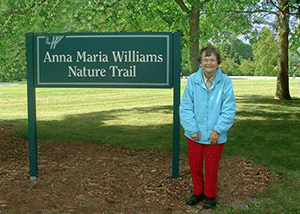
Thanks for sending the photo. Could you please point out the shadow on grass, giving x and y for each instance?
(254, 99)
(93, 127)
(267, 130)
(267, 108)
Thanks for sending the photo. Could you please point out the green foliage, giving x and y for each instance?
(294, 64)
(230, 67)
(219, 24)
(240, 50)
(247, 68)
(237, 50)
(18, 17)
(265, 54)
(294, 57)
(23, 16)
(219, 21)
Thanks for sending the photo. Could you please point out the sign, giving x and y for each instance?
(104, 60)
(136, 60)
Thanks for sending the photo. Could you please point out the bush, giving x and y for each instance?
(247, 68)
(229, 67)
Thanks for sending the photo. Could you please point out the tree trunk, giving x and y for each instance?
(194, 39)
(282, 89)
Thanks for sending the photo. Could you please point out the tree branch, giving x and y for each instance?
(11, 15)
(183, 6)
(250, 11)
(296, 9)
(273, 4)
(264, 23)
(116, 2)
(278, 7)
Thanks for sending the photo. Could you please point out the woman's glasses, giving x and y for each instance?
(209, 60)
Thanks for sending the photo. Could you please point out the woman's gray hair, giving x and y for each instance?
(208, 51)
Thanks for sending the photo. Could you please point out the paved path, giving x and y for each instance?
(12, 83)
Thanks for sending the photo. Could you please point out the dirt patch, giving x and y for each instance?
(99, 178)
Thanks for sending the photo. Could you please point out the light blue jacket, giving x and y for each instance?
(203, 111)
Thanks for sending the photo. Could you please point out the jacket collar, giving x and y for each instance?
(200, 79)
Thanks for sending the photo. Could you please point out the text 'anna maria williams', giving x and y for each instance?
(117, 56)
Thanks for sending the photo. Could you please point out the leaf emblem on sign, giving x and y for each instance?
(54, 42)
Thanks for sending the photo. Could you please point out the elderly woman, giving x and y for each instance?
(207, 112)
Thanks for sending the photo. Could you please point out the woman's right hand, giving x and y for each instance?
(195, 136)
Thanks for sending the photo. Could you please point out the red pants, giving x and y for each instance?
(212, 156)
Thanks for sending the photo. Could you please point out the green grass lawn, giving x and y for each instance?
(265, 130)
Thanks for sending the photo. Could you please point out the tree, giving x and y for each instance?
(237, 49)
(12, 59)
(265, 54)
(194, 20)
(283, 13)
(286, 14)
(199, 21)
(294, 64)
(18, 17)
(212, 20)
(241, 51)
(229, 67)
(247, 68)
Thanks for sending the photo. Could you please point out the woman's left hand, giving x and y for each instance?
(214, 138)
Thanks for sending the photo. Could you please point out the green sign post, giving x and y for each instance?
(128, 60)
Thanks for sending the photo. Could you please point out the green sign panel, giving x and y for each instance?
(104, 60)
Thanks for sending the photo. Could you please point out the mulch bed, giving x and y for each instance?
(101, 178)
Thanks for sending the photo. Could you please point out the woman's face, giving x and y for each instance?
(209, 63)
